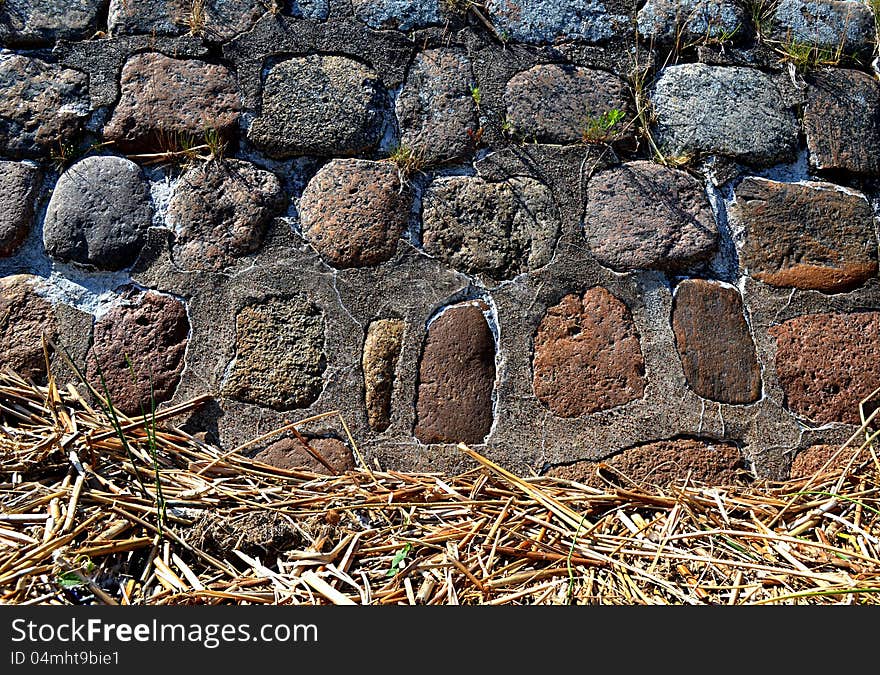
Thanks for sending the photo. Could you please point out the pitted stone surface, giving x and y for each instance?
(587, 355)
(166, 102)
(557, 104)
(436, 110)
(279, 354)
(214, 20)
(845, 25)
(661, 463)
(98, 213)
(220, 211)
(813, 236)
(550, 21)
(381, 354)
(19, 184)
(828, 363)
(691, 21)
(289, 453)
(810, 462)
(354, 210)
(642, 215)
(714, 343)
(319, 105)
(733, 111)
(398, 14)
(39, 22)
(24, 318)
(456, 378)
(314, 10)
(141, 340)
(842, 121)
(494, 229)
(42, 106)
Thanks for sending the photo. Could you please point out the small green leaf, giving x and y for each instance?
(398, 559)
(70, 580)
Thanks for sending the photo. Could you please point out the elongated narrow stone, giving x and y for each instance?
(381, 353)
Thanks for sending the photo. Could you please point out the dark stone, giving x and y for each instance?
(25, 318)
(381, 353)
(19, 184)
(27, 23)
(213, 20)
(398, 14)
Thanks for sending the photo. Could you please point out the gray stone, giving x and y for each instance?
(497, 230)
(435, 110)
(691, 21)
(279, 354)
(732, 111)
(319, 105)
(314, 10)
(845, 26)
(397, 14)
(39, 22)
(381, 353)
(549, 21)
(98, 213)
(42, 106)
(19, 184)
(642, 215)
(220, 211)
(214, 20)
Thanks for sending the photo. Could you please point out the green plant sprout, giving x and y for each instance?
(601, 129)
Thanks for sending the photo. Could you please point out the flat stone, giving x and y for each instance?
(98, 213)
(42, 106)
(289, 453)
(24, 318)
(713, 340)
(436, 112)
(279, 354)
(642, 215)
(833, 25)
(380, 357)
(587, 355)
(354, 210)
(551, 21)
(313, 10)
(691, 21)
(398, 14)
(842, 121)
(220, 211)
(661, 463)
(214, 20)
(319, 105)
(456, 378)
(142, 339)
(820, 459)
(166, 101)
(42, 22)
(732, 111)
(554, 103)
(828, 363)
(812, 236)
(497, 230)
(19, 184)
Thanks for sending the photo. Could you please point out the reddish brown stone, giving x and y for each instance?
(151, 332)
(289, 453)
(587, 355)
(828, 363)
(661, 463)
(167, 102)
(806, 235)
(818, 458)
(24, 318)
(456, 378)
(354, 210)
(714, 343)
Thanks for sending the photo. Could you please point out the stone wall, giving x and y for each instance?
(560, 232)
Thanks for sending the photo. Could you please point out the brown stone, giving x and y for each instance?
(381, 353)
(714, 343)
(139, 345)
(221, 211)
(828, 363)
(820, 458)
(661, 463)
(19, 183)
(289, 453)
(642, 215)
(167, 102)
(813, 236)
(354, 210)
(456, 378)
(587, 355)
(24, 318)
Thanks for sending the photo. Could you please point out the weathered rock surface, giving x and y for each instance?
(213, 20)
(732, 111)
(24, 318)
(139, 348)
(42, 106)
(168, 102)
(828, 363)
(819, 459)
(813, 236)
(587, 355)
(320, 105)
(19, 184)
(397, 14)
(456, 378)
(691, 21)
(549, 21)
(381, 354)
(642, 215)
(313, 10)
(833, 25)
(220, 211)
(40, 22)
(714, 343)
(279, 354)
(289, 453)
